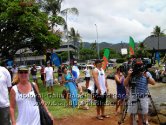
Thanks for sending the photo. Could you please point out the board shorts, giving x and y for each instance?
(138, 105)
(100, 99)
(49, 83)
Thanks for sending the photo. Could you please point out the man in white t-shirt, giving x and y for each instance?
(157, 75)
(87, 76)
(5, 86)
(49, 77)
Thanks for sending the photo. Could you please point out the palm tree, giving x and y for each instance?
(67, 11)
(53, 8)
(157, 33)
(74, 37)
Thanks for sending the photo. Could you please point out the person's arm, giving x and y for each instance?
(95, 76)
(45, 74)
(127, 79)
(149, 78)
(53, 73)
(31, 70)
(63, 79)
(42, 101)
(8, 81)
(106, 84)
(151, 81)
(12, 106)
(117, 79)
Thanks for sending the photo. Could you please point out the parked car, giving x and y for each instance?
(112, 65)
(81, 66)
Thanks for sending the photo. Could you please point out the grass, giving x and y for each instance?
(56, 103)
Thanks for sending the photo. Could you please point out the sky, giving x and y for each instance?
(116, 20)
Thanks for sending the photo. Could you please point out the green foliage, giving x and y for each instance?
(120, 60)
(24, 25)
(86, 54)
(74, 36)
(141, 50)
(157, 31)
(63, 56)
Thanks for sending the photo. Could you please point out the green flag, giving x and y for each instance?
(131, 46)
(106, 58)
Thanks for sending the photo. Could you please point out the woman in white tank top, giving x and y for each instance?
(22, 95)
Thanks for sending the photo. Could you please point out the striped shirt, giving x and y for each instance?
(141, 85)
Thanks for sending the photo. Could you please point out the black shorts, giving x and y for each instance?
(42, 77)
(5, 116)
(100, 99)
(87, 78)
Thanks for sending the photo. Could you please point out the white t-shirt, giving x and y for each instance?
(49, 73)
(87, 73)
(5, 82)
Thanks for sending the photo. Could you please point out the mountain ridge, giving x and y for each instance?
(117, 47)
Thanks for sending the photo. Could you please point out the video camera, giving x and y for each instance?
(137, 65)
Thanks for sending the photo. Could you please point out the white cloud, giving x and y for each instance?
(116, 19)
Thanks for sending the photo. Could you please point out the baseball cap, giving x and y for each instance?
(48, 62)
(75, 62)
(23, 68)
(139, 61)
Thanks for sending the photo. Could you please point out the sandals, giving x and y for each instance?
(99, 117)
(105, 116)
(102, 117)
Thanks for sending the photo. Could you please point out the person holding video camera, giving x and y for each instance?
(137, 80)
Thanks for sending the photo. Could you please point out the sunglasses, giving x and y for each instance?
(23, 72)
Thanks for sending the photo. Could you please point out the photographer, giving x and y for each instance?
(138, 91)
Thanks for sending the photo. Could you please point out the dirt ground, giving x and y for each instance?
(88, 118)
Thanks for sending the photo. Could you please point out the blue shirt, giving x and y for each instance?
(141, 85)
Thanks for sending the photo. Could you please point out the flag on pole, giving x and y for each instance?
(131, 46)
(75, 71)
(105, 58)
(55, 59)
(157, 57)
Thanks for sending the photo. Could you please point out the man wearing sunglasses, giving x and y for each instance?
(101, 84)
(5, 86)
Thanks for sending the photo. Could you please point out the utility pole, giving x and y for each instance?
(97, 42)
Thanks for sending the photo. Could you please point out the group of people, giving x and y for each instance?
(133, 87)
(22, 97)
